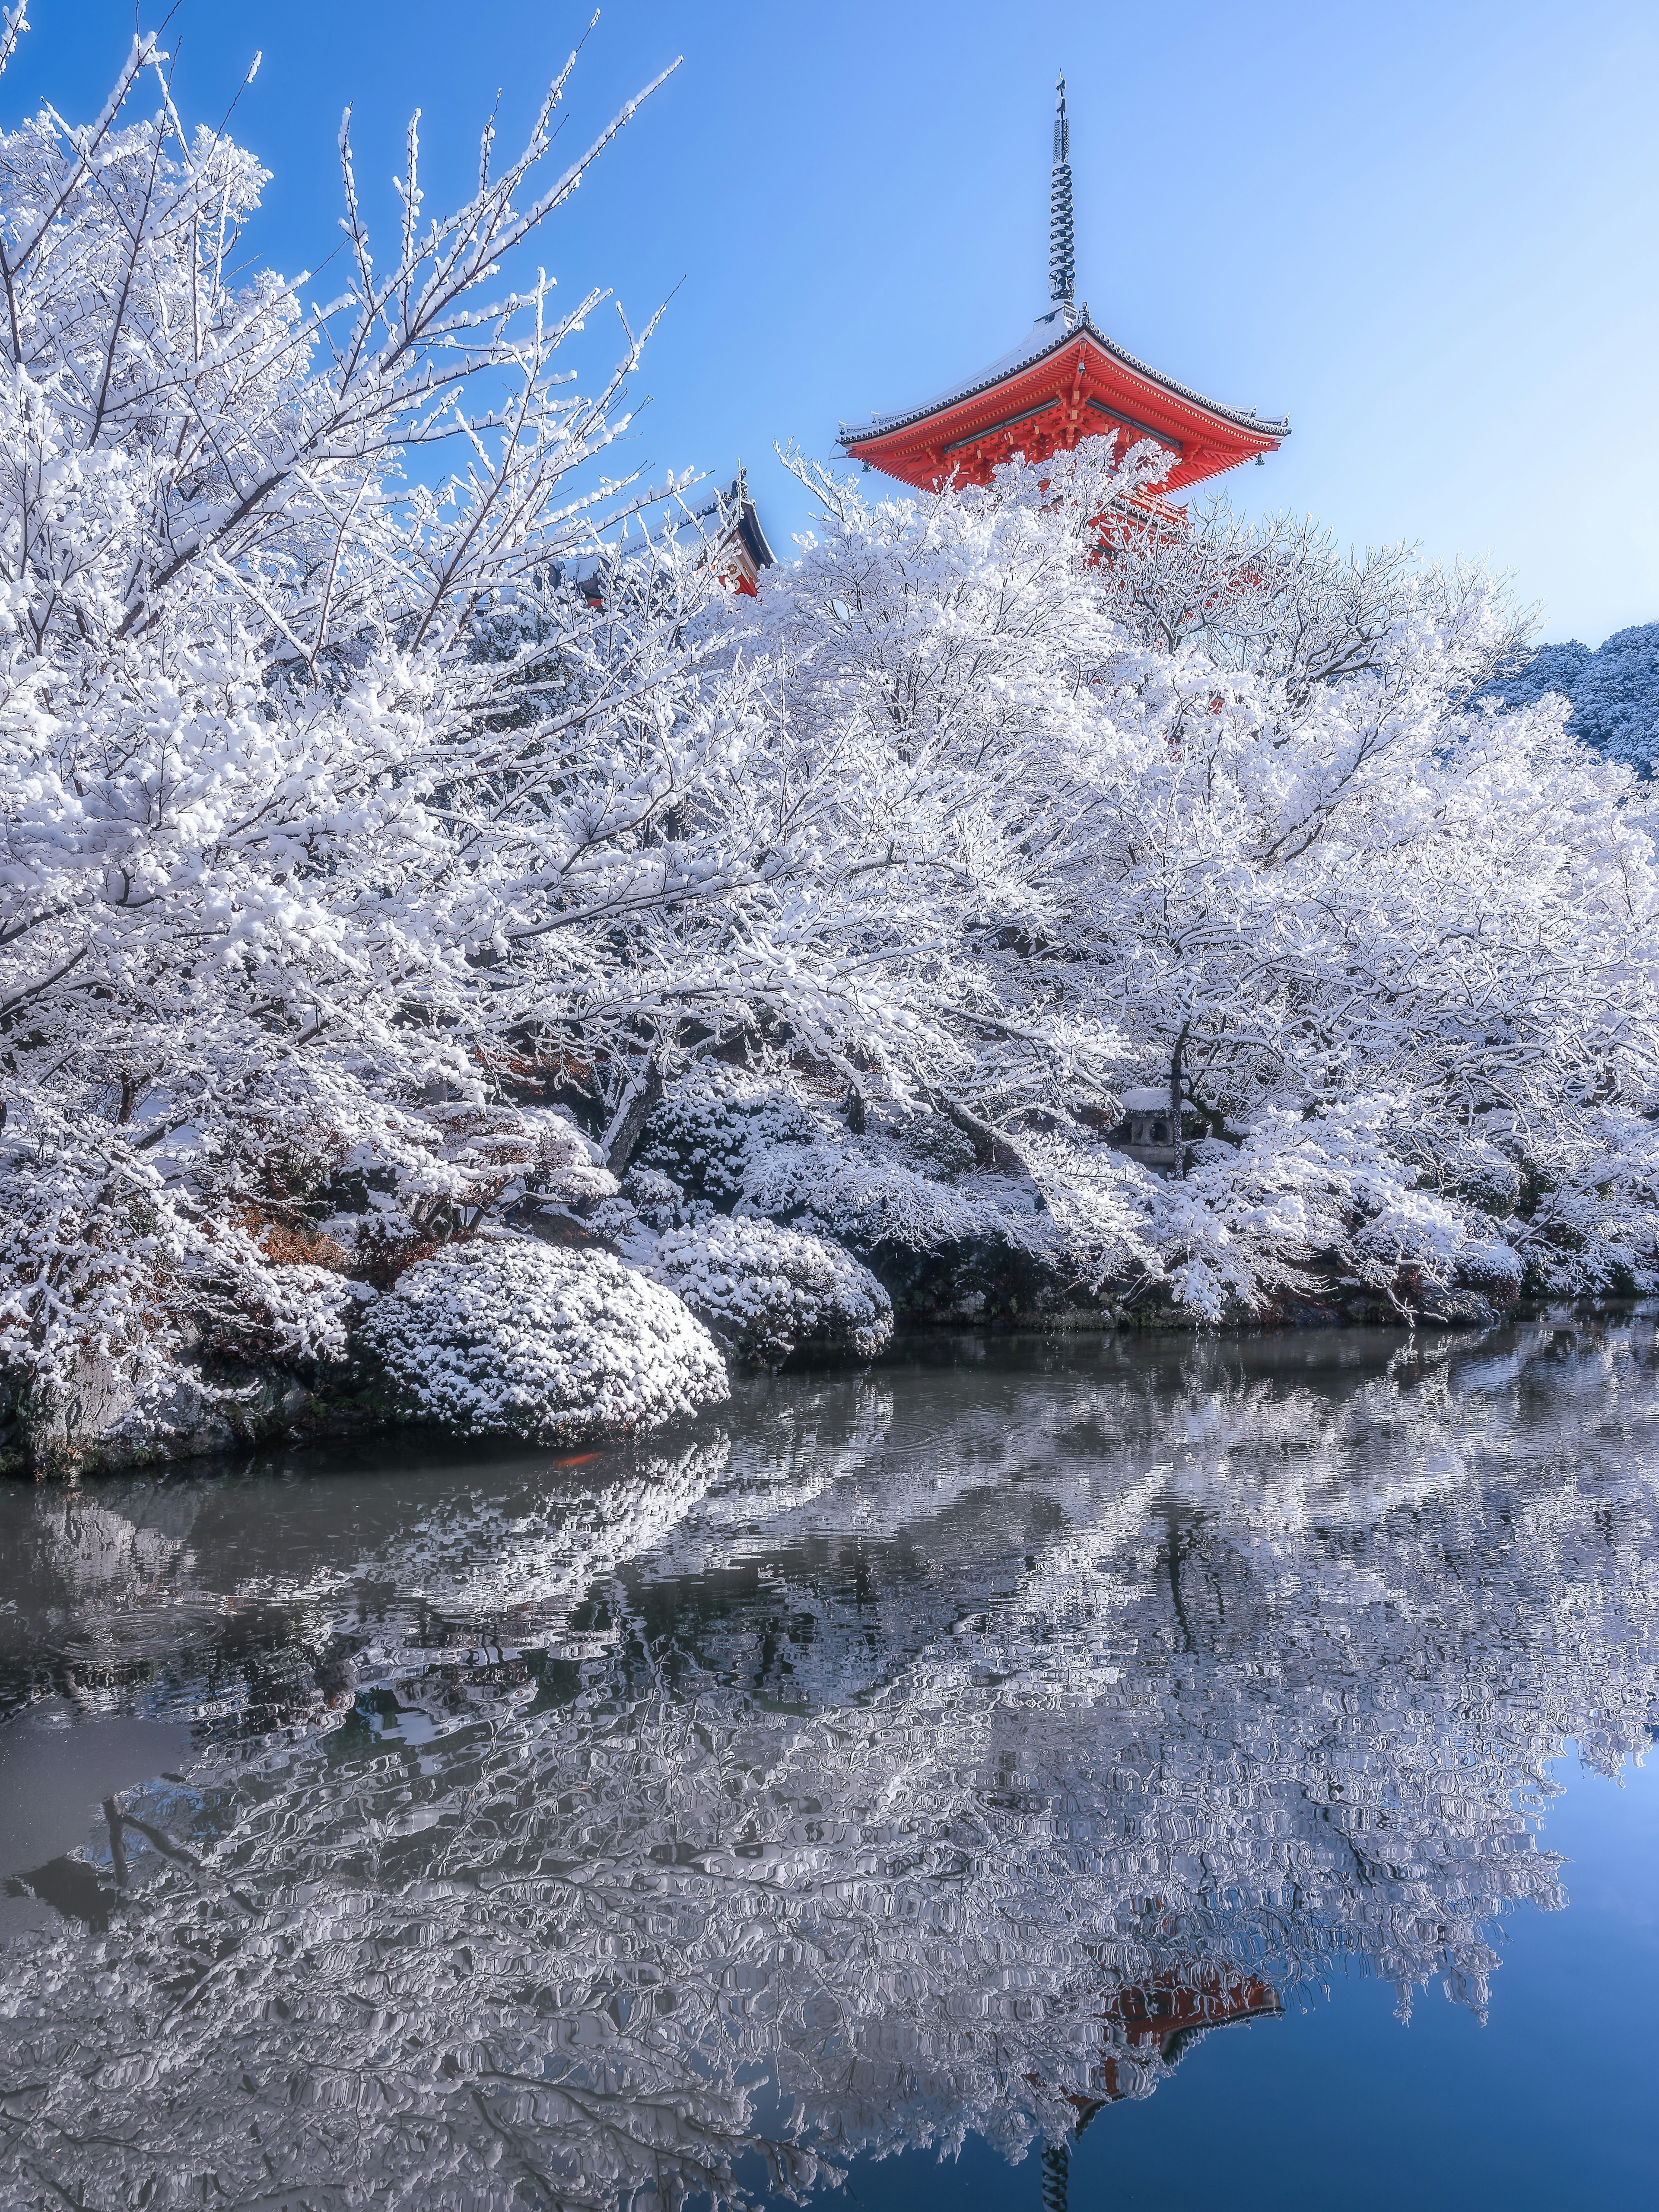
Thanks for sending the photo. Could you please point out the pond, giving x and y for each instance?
(1027, 1773)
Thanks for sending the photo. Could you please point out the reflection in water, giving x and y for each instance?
(936, 1750)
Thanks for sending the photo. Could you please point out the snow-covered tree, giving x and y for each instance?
(1612, 691)
(1244, 829)
(273, 812)
(353, 806)
(372, 794)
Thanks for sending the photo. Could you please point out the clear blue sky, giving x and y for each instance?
(1427, 233)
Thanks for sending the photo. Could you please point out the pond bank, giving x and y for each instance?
(101, 1424)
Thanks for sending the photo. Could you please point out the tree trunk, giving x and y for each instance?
(1175, 1098)
(991, 1148)
(628, 1126)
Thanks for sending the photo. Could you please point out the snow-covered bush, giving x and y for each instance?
(769, 1292)
(706, 1138)
(863, 1194)
(508, 1337)
(1243, 1226)
(1049, 1223)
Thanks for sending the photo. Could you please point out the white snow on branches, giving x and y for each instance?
(513, 1338)
(1243, 825)
(1247, 1220)
(321, 783)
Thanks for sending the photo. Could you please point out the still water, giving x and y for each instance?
(1023, 1774)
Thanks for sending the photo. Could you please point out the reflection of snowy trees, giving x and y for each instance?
(878, 1768)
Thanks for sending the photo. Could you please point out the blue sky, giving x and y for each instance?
(1427, 233)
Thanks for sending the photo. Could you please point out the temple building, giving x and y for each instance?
(1066, 380)
(739, 551)
(724, 533)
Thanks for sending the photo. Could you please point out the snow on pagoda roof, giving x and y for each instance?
(1054, 329)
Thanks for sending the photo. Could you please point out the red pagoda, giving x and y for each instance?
(1066, 381)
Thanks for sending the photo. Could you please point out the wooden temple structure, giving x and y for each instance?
(725, 534)
(1067, 381)
(739, 551)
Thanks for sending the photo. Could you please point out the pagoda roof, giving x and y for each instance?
(738, 511)
(725, 531)
(1066, 381)
(730, 519)
(1051, 334)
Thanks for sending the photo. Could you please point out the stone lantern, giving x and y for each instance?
(1148, 1132)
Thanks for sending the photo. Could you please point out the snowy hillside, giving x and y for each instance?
(1613, 689)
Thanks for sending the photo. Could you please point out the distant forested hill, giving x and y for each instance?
(1613, 691)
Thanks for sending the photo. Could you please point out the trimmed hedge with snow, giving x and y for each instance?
(769, 1290)
(511, 1338)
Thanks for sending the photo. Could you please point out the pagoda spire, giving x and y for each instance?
(1065, 382)
(1062, 254)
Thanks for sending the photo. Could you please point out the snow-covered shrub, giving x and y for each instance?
(861, 1193)
(417, 1174)
(1245, 1225)
(769, 1292)
(507, 1337)
(708, 1135)
(1058, 1224)
(654, 1200)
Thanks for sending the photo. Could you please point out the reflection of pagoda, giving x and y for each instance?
(1161, 2018)
(1169, 2012)
(1066, 381)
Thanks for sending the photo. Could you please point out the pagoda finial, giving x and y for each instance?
(1062, 259)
